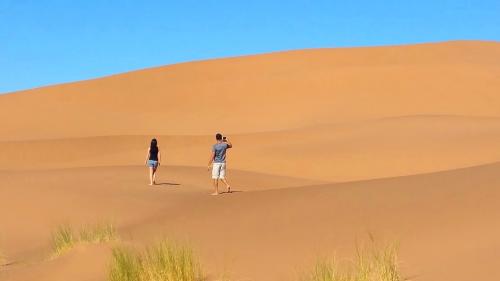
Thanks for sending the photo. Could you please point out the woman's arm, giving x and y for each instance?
(159, 156)
(147, 157)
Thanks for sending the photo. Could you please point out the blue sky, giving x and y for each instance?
(48, 42)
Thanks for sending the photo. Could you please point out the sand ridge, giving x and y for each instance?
(264, 93)
(331, 152)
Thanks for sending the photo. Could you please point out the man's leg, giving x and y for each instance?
(215, 177)
(227, 185)
(216, 187)
(223, 177)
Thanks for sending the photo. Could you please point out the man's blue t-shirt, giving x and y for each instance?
(220, 152)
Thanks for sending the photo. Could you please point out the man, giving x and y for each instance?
(218, 162)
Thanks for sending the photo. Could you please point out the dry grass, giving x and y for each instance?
(64, 238)
(166, 261)
(372, 263)
(125, 265)
(327, 270)
(99, 233)
(376, 263)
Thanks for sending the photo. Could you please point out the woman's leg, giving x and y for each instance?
(154, 174)
(151, 172)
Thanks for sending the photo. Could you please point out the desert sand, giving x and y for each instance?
(330, 146)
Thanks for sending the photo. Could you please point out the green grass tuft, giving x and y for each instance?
(371, 264)
(327, 270)
(166, 261)
(99, 233)
(125, 265)
(63, 239)
(169, 261)
(375, 263)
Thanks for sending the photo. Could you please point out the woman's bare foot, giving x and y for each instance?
(228, 189)
(215, 193)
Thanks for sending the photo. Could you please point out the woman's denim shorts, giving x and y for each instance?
(152, 163)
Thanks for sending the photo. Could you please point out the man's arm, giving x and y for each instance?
(212, 155)
(229, 144)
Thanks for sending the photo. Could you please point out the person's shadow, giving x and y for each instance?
(231, 192)
(168, 183)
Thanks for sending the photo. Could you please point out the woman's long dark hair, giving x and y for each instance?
(154, 144)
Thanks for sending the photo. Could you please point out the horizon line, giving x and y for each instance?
(243, 56)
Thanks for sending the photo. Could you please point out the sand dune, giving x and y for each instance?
(339, 152)
(265, 93)
(441, 220)
(330, 144)
(83, 263)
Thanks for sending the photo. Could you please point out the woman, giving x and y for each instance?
(153, 161)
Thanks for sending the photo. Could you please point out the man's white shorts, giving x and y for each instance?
(218, 171)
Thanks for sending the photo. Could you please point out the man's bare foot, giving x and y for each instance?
(215, 193)
(228, 189)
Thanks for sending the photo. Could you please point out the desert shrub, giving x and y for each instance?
(125, 265)
(169, 261)
(377, 263)
(371, 263)
(98, 233)
(64, 238)
(326, 270)
(165, 261)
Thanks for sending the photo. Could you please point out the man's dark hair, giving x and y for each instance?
(218, 136)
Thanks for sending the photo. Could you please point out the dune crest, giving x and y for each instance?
(265, 93)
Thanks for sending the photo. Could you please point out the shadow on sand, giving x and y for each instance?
(168, 183)
(232, 191)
